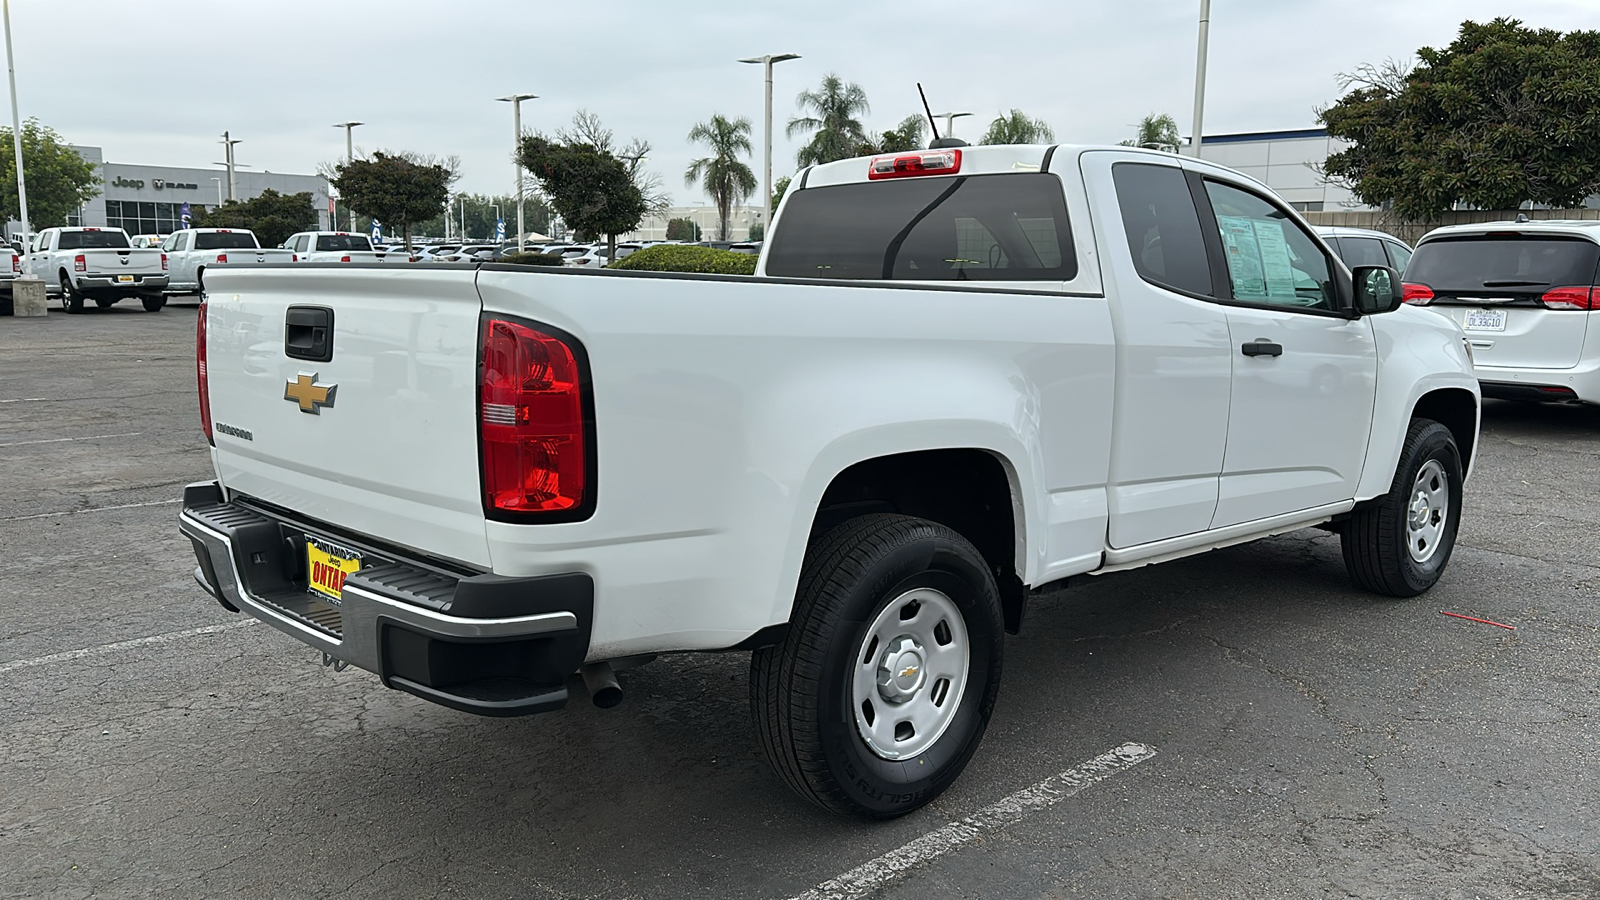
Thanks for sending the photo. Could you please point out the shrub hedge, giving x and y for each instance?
(688, 258)
(531, 259)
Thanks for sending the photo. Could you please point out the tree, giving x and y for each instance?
(586, 129)
(682, 230)
(838, 131)
(1503, 115)
(592, 190)
(271, 215)
(397, 189)
(723, 176)
(1156, 132)
(779, 188)
(758, 232)
(902, 138)
(59, 179)
(1016, 128)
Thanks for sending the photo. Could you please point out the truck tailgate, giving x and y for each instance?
(119, 262)
(393, 452)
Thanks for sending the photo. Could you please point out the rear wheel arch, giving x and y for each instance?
(974, 492)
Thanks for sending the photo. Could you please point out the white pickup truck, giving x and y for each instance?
(959, 376)
(191, 250)
(98, 264)
(336, 247)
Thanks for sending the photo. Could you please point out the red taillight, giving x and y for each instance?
(203, 382)
(79, 264)
(294, 257)
(16, 264)
(532, 432)
(163, 262)
(1418, 294)
(929, 162)
(1580, 297)
(344, 259)
(222, 257)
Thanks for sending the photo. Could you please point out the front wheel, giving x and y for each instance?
(1400, 544)
(883, 687)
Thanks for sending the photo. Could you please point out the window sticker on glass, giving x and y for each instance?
(1258, 257)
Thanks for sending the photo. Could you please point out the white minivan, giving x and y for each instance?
(1526, 295)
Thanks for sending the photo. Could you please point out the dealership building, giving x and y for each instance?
(151, 199)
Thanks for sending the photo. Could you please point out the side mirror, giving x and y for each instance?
(1377, 289)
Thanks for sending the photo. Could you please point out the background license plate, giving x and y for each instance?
(327, 566)
(1485, 320)
(125, 279)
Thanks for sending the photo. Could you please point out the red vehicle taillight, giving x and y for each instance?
(928, 162)
(534, 435)
(1580, 297)
(16, 264)
(344, 259)
(1418, 294)
(79, 264)
(203, 382)
(163, 262)
(222, 257)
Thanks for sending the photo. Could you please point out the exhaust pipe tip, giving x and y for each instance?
(602, 684)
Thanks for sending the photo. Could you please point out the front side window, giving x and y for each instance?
(1360, 251)
(1163, 227)
(967, 228)
(1271, 262)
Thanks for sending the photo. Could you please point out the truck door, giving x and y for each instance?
(1173, 369)
(1304, 375)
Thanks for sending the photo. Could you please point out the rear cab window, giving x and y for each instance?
(992, 228)
(93, 240)
(217, 240)
(343, 242)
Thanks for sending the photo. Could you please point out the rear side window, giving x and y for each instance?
(971, 228)
(218, 241)
(1163, 228)
(1399, 254)
(93, 240)
(1529, 262)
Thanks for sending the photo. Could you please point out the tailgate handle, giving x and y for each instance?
(308, 333)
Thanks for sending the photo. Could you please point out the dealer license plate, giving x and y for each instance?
(327, 566)
(1484, 320)
(124, 279)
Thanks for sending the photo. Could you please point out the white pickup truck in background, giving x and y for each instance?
(332, 247)
(191, 250)
(959, 376)
(97, 264)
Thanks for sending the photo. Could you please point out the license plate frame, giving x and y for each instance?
(1484, 320)
(124, 279)
(327, 566)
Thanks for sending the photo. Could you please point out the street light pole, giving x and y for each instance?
(516, 154)
(766, 149)
(219, 190)
(349, 157)
(1200, 74)
(16, 133)
(227, 143)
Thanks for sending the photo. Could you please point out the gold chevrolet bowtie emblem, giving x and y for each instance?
(908, 671)
(311, 396)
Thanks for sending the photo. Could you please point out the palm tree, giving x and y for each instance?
(1016, 128)
(722, 175)
(1157, 132)
(834, 107)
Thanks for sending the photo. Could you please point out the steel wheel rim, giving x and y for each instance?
(1428, 511)
(909, 673)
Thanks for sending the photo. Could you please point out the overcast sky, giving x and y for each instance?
(157, 83)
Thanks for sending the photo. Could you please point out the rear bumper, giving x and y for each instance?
(483, 644)
(109, 282)
(1581, 382)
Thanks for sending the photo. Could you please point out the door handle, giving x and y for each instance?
(1262, 347)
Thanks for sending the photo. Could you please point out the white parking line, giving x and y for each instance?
(122, 645)
(98, 437)
(26, 400)
(90, 509)
(877, 873)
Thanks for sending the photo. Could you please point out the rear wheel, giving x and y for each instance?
(883, 687)
(105, 302)
(1400, 544)
(71, 300)
(153, 302)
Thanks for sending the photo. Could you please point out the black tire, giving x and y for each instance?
(200, 283)
(1378, 538)
(71, 300)
(153, 302)
(801, 690)
(105, 302)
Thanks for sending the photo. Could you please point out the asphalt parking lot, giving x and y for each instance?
(1306, 740)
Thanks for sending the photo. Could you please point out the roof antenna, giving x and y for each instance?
(938, 143)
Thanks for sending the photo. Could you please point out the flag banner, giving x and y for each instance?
(377, 230)
(500, 229)
(183, 215)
